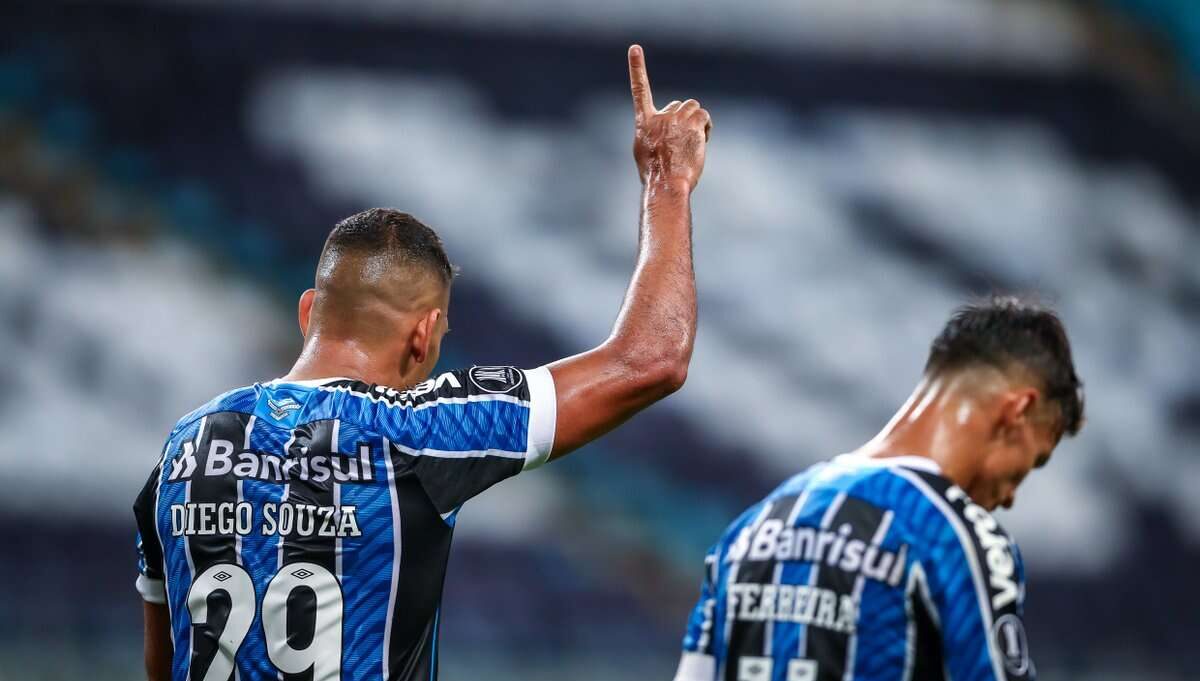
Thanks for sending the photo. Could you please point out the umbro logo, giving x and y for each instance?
(281, 408)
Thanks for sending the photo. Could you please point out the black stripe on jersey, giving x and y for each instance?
(144, 510)
(749, 638)
(424, 551)
(855, 519)
(927, 661)
(222, 435)
(305, 544)
(451, 482)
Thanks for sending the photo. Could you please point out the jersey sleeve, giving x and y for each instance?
(150, 579)
(698, 661)
(977, 589)
(466, 430)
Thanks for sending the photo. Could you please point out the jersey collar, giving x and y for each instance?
(307, 383)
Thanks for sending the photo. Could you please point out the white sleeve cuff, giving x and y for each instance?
(543, 411)
(152, 590)
(696, 667)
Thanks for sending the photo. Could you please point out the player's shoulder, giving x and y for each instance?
(944, 521)
(240, 399)
(501, 383)
(881, 482)
(921, 499)
(932, 501)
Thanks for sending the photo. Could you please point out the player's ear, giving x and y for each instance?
(1016, 408)
(423, 334)
(305, 311)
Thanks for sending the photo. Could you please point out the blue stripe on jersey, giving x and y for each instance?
(141, 561)
(881, 655)
(366, 573)
(481, 425)
(260, 553)
(178, 574)
(486, 422)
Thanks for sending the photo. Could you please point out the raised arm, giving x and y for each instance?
(646, 357)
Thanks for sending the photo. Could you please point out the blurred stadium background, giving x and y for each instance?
(168, 172)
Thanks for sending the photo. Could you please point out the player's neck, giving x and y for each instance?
(931, 424)
(325, 358)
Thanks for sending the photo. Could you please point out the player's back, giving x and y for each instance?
(301, 530)
(878, 570)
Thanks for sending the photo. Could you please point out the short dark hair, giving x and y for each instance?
(387, 230)
(1003, 331)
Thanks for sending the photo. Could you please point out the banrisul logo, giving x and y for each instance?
(775, 540)
(281, 408)
(496, 379)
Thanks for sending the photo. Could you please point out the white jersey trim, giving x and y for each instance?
(543, 415)
(459, 454)
(152, 590)
(696, 667)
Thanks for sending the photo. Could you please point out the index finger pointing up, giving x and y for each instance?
(639, 83)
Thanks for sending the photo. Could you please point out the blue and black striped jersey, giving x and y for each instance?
(861, 570)
(300, 530)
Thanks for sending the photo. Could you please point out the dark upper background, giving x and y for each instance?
(168, 172)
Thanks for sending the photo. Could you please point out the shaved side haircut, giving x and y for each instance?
(391, 233)
(376, 261)
(1006, 331)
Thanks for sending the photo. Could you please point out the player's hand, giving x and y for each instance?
(668, 143)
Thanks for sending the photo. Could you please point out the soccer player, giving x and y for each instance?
(885, 564)
(299, 529)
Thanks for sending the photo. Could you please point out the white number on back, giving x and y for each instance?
(235, 582)
(323, 655)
